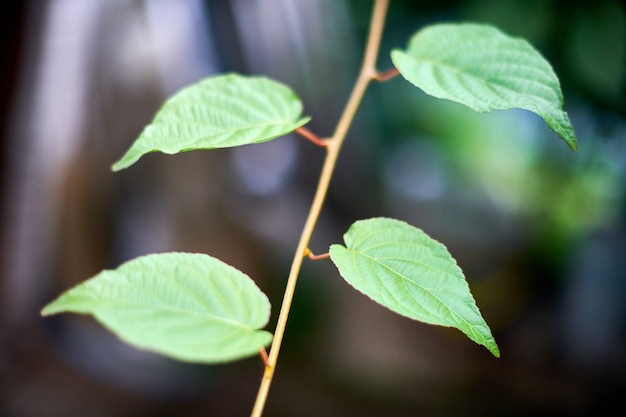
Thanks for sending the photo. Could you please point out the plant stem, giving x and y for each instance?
(310, 136)
(333, 146)
(319, 257)
(387, 75)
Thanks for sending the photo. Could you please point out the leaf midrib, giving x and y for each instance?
(375, 260)
(181, 311)
(487, 81)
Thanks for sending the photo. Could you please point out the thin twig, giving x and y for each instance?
(368, 68)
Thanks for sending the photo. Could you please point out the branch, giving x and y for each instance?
(333, 144)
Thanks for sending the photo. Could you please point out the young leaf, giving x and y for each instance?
(190, 307)
(481, 67)
(401, 268)
(219, 112)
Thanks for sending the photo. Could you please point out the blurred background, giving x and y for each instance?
(539, 231)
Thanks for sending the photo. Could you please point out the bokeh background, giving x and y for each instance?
(540, 231)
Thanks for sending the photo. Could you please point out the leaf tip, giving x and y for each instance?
(123, 163)
(573, 145)
(569, 138)
(495, 351)
(48, 310)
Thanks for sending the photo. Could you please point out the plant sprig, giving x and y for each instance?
(195, 308)
(333, 146)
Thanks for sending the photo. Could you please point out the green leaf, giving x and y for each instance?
(219, 112)
(484, 69)
(190, 307)
(401, 268)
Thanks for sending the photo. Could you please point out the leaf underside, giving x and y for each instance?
(403, 269)
(190, 307)
(484, 69)
(219, 112)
